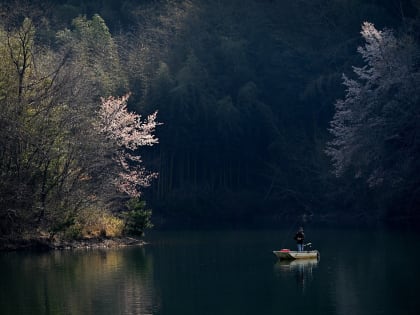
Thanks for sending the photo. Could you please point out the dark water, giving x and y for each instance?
(220, 272)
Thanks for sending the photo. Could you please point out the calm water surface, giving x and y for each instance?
(220, 272)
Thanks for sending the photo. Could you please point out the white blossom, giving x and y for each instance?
(369, 123)
(129, 133)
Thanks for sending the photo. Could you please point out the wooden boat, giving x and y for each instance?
(287, 254)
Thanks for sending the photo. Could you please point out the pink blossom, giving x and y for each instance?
(129, 133)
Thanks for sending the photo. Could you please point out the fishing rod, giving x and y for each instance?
(307, 244)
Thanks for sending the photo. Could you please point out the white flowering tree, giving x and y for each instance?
(376, 125)
(128, 133)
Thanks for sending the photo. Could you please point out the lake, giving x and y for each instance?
(220, 272)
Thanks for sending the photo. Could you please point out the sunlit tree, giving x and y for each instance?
(43, 135)
(93, 51)
(128, 132)
(376, 125)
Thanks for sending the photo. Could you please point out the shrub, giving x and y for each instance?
(137, 217)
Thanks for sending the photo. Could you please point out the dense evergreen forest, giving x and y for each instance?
(265, 111)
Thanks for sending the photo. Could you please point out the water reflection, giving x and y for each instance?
(224, 273)
(301, 269)
(78, 282)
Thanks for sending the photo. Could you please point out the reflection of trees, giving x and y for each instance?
(78, 282)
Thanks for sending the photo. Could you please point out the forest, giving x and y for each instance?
(210, 113)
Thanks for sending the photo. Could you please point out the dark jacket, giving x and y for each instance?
(299, 237)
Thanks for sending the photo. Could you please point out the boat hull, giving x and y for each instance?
(291, 255)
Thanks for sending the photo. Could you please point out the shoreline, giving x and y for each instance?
(44, 244)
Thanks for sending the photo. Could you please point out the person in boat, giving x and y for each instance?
(299, 237)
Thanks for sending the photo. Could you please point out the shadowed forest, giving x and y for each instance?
(252, 112)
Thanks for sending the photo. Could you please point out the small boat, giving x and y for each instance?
(287, 254)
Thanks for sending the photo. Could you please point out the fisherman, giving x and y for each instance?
(299, 237)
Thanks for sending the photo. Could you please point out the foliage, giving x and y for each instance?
(91, 47)
(246, 90)
(128, 133)
(375, 125)
(55, 165)
(39, 168)
(107, 225)
(95, 222)
(137, 217)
